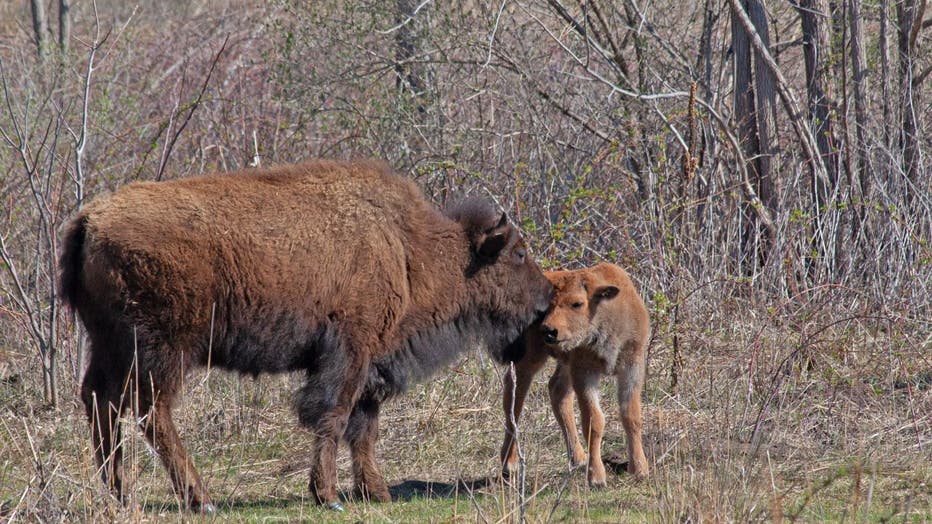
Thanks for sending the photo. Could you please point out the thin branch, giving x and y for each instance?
(193, 107)
(595, 44)
(404, 22)
(498, 18)
(921, 77)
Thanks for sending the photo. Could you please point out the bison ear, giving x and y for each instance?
(492, 245)
(494, 240)
(605, 293)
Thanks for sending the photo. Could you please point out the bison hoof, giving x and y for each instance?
(334, 506)
(373, 495)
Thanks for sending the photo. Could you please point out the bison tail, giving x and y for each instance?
(71, 262)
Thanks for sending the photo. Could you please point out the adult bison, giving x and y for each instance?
(597, 325)
(342, 270)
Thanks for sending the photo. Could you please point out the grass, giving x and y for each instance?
(840, 436)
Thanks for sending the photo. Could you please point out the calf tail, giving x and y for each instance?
(71, 263)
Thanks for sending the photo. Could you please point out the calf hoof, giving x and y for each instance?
(334, 506)
(596, 483)
(204, 509)
(639, 472)
(509, 472)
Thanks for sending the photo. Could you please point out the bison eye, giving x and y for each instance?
(576, 305)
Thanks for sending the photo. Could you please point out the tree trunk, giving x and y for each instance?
(766, 101)
(884, 45)
(40, 26)
(755, 119)
(909, 97)
(815, 55)
(409, 75)
(64, 25)
(709, 136)
(641, 162)
(859, 85)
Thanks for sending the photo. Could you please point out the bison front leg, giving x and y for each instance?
(586, 384)
(362, 433)
(561, 400)
(325, 404)
(514, 392)
(630, 383)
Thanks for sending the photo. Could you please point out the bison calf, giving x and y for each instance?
(596, 325)
(341, 270)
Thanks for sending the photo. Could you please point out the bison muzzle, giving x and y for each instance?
(342, 270)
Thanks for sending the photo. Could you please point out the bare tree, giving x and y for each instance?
(42, 156)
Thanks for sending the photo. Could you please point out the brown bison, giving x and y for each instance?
(597, 325)
(342, 270)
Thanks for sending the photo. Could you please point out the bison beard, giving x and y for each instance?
(342, 270)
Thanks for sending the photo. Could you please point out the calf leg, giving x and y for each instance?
(104, 403)
(561, 400)
(586, 384)
(159, 428)
(514, 392)
(630, 383)
(362, 432)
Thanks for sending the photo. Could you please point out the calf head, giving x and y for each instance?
(507, 285)
(576, 310)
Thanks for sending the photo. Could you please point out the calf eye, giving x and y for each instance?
(520, 253)
(576, 305)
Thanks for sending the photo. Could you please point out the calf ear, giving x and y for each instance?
(604, 293)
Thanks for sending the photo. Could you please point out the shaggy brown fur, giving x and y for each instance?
(340, 269)
(597, 325)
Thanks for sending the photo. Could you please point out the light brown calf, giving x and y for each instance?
(597, 325)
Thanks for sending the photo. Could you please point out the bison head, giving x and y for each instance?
(508, 287)
(574, 318)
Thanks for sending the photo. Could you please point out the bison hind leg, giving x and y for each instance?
(160, 376)
(104, 403)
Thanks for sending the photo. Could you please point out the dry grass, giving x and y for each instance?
(840, 434)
